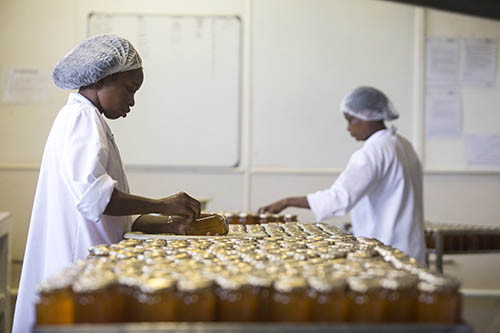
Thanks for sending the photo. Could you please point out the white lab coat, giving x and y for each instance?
(382, 188)
(80, 168)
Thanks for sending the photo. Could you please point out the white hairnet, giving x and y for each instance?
(369, 104)
(94, 59)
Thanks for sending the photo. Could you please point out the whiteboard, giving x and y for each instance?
(187, 113)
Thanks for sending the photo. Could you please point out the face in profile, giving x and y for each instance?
(358, 128)
(116, 93)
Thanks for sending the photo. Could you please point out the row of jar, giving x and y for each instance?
(251, 218)
(290, 299)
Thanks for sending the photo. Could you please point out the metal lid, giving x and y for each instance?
(289, 284)
(193, 284)
(363, 284)
(157, 284)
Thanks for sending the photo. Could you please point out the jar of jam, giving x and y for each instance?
(277, 218)
(55, 305)
(400, 291)
(236, 299)
(290, 218)
(439, 300)
(196, 300)
(156, 300)
(366, 300)
(328, 299)
(262, 287)
(232, 217)
(98, 298)
(265, 218)
(290, 301)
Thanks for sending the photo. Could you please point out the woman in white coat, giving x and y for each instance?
(381, 185)
(82, 197)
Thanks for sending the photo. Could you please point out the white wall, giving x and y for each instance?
(299, 58)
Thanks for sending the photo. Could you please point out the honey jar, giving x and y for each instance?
(156, 300)
(328, 299)
(98, 298)
(439, 300)
(236, 299)
(196, 300)
(265, 218)
(290, 218)
(400, 292)
(262, 287)
(366, 300)
(55, 305)
(290, 301)
(231, 217)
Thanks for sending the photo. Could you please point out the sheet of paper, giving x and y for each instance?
(443, 117)
(482, 150)
(442, 61)
(479, 61)
(25, 86)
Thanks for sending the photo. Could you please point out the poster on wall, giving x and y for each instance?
(442, 61)
(479, 62)
(24, 86)
(443, 117)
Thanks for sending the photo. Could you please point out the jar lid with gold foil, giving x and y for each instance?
(441, 283)
(290, 284)
(94, 281)
(363, 284)
(193, 284)
(401, 282)
(157, 284)
(327, 284)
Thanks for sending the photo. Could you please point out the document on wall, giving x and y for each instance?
(443, 117)
(479, 61)
(442, 63)
(482, 150)
(24, 86)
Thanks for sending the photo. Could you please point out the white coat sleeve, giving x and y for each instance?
(85, 155)
(352, 184)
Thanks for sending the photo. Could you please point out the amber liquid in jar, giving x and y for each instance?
(55, 307)
(329, 301)
(401, 296)
(438, 303)
(232, 217)
(196, 301)
(290, 301)
(104, 305)
(156, 301)
(366, 300)
(236, 300)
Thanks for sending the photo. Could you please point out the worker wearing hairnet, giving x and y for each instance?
(381, 185)
(82, 197)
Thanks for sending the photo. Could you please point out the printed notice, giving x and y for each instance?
(479, 61)
(443, 118)
(482, 150)
(25, 86)
(442, 61)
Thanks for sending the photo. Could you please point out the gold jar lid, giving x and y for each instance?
(94, 281)
(327, 284)
(289, 284)
(193, 284)
(62, 280)
(157, 284)
(407, 281)
(363, 284)
(441, 283)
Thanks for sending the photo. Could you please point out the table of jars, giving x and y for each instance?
(274, 276)
(442, 239)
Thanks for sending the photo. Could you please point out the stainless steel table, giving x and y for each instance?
(258, 328)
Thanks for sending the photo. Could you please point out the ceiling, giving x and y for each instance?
(482, 8)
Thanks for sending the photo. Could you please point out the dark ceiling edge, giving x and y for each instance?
(482, 8)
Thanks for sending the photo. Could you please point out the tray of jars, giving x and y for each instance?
(307, 273)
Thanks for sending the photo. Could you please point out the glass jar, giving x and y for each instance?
(55, 307)
(290, 301)
(328, 299)
(290, 218)
(98, 299)
(232, 217)
(262, 287)
(400, 291)
(265, 218)
(156, 301)
(196, 300)
(366, 300)
(236, 300)
(439, 300)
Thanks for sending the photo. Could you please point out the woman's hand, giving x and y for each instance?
(181, 204)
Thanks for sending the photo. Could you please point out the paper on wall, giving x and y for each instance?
(442, 61)
(482, 150)
(479, 61)
(443, 118)
(25, 86)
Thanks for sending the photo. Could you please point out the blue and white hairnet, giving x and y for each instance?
(94, 59)
(368, 104)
